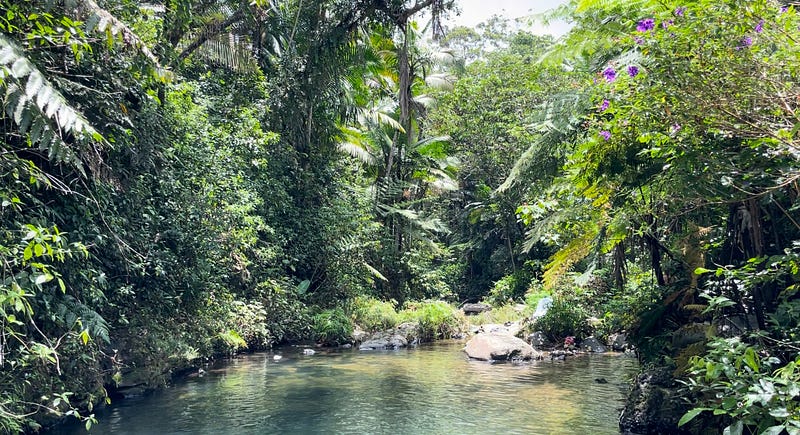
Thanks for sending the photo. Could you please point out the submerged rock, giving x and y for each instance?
(499, 347)
(308, 352)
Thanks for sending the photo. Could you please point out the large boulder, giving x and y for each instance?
(654, 406)
(498, 347)
(510, 328)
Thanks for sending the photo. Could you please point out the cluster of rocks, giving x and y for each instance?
(403, 335)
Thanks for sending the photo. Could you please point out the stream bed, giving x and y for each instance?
(430, 389)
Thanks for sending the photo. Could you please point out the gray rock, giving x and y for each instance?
(384, 340)
(510, 328)
(399, 337)
(537, 339)
(654, 406)
(498, 347)
(690, 334)
(308, 352)
(470, 309)
(359, 334)
(592, 344)
(618, 342)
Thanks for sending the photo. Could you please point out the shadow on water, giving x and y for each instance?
(433, 389)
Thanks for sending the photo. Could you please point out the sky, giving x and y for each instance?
(477, 11)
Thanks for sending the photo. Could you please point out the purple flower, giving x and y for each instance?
(760, 26)
(784, 9)
(646, 24)
(604, 106)
(676, 127)
(746, 42)
(633, 70)
(679, 12)
(606, 134)
(638, 40)
(666, 24)
(610, 74)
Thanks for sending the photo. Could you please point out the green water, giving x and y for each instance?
(433, 389)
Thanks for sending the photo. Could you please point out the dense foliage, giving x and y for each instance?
(183, 180)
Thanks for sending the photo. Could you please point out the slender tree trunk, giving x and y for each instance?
(619, 270)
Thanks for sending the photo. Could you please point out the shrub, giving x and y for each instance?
(436, 319)
(745, 387)
(502, 292)
(506, 313)
(566, 317)
(332, 327)
(374, 315)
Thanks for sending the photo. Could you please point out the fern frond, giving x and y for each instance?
(72, 311)
(39, 109)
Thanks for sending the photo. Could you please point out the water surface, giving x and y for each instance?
(432, 389)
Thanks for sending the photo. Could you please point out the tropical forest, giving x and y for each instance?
(377, 221)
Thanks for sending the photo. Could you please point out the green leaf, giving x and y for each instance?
(690, 415)
(38, 250)
(43, 278)
(779, 412)
(734, 429)
(702, 270)
(751, 359)
(27, 254)
(773, 430)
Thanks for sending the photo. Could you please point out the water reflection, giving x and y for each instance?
(433, 389)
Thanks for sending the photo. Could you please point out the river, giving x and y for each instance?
(431, 389)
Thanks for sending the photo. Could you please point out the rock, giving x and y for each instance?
(560, 354)
(690, 334)
(510, 328)
(359, 334)
(591, 344)
(542, 307)
(537, 339)
(470, 309)
(384, 340)
(308, 352)
(277, 358)
(618, 342)
(409, 330)
(654, 406)
(498, 347)
(401, 336)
